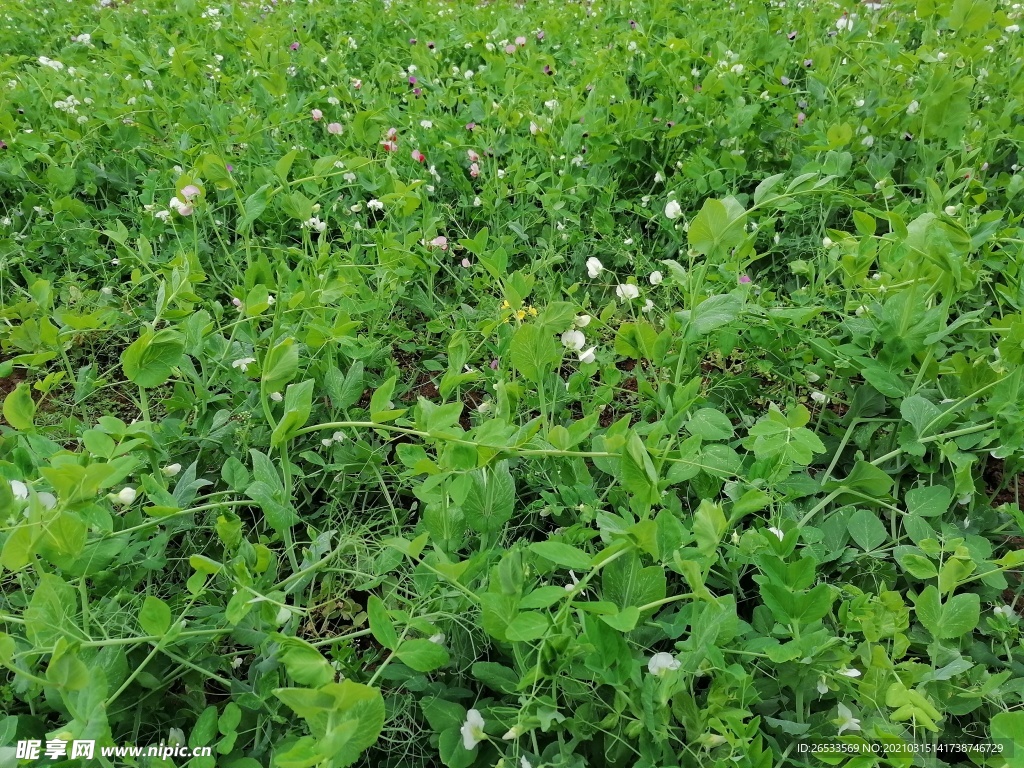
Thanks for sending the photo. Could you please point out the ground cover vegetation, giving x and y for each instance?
(475, 384)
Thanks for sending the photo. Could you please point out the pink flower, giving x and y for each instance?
(470, 126)
(391, 134)
(520, 41)
(473, 156)
(440, 242)
(389, 145)
(744, 279)
(495, 364)
(357, 83)
(294, 46)
(418, 156)
(334, 129)
(540, 34)
(317, 114)
(474, 170)
(412, 80)
(237, 302)
(800, 119)
(190, 192)
(466, 262)
(510, 49)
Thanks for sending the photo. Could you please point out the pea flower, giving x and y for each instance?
(582, 321)
(673, 210)
(1000, 610)
(473, 729)
(243, 363)
(847, 722)
(418, 156)
(573, 340)
(294, 46)
(183, 209)
(125, 496)
(778, 532)
(190, 192)
(334, 129)
(474, 170)
(656, 277)
(744, 279)
(375, 205)
(440, 242)
(520, 41)
(586, 357)
(317, 115)
(627, 291)
(661, 663)
(847, 672)
(171, 470)
(594, 267)
(19, 489)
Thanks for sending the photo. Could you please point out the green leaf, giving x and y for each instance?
(867, 530)
(625, 582)
(381, 626)
(255, 205)
(19, 408)
(298, 401)
(280, 365)
(638, 475)
(562, 554)
(930, 501)
(532, 352)
(710, 424)
(491, 498)
(151, 358)
(155, 616)
(1007, 730)
(422, 655)
(713, 313)
(527, 626)
(304, 663)
(713, 229)
(957, 616)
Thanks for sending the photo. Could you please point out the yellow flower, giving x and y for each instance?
(520, 314)
(532, 311)
(506, 305)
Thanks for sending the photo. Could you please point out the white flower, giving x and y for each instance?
(126, 496)
(437, 639)
(822, 685)
(524, 763)
(847, 722)
(661, 663)
(468, 74)
(426, 124)
(868, 141)
(656, 278)
(534, 128)
(941, 56)
(819, 397)
(827, 242)
(48, 500)
(375, 205)
(19, 489)
(594, 267)
(243, 362)
(1013, 28)
(573, 340)
(673, 210)
(777, 531)
(1005, 611)
(277, 397)
(473, 729)
(582, 321)
(913, 106)
(648, 306)
(236, 662)
(477, 202)
(283, 615)
(847, 672)
(627, 291)
(513, 733)
(737, 68)
(950, 210)
(171, 470)
(587, 356)
(552, 104)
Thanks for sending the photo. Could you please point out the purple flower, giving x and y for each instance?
(808, 62)
(744, 279)
(802, 104)
(230, 167)
(908, 136)
(3, 144)
(792, 35)
(548, 70)
(294, 46)
(417, 91)
(412, 80)
(632, 24)
(785, 80)
(470, 126)
(494, 364)
(412, 41)
(430, 44)
(540, 34)
(697, 88)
